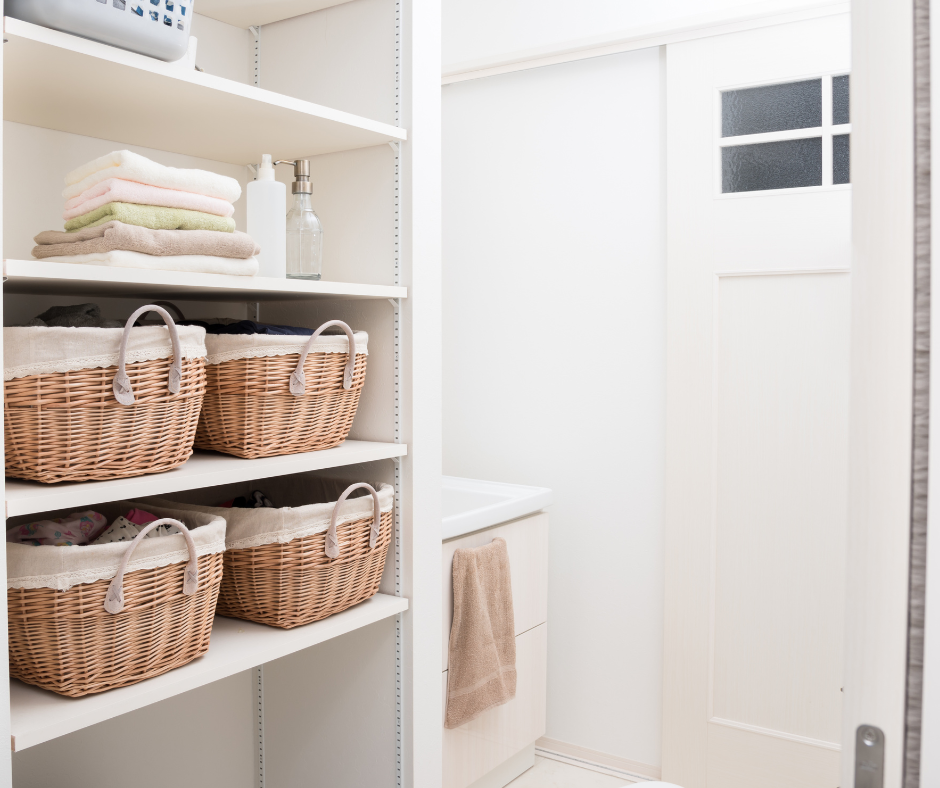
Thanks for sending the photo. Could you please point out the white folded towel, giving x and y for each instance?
(134, 167)
(191, 263)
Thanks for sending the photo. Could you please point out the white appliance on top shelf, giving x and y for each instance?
(499, 745)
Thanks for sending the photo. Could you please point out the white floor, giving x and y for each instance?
(553, 774)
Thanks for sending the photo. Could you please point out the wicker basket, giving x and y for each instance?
(100, 421)
(102, 634)
(268, 402)
(279, 573)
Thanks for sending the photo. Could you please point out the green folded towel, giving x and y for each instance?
(152, 216)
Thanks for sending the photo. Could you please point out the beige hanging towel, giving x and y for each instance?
(482, 670)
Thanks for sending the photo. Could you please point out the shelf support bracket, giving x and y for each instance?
(254, 311)
(257, 675)
(256, 32)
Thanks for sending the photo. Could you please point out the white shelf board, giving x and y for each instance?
(37, 277)
(246, 13)
(203, 469)
(37, 715)
(138, 100)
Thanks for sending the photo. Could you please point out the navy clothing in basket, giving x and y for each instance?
(249, 327)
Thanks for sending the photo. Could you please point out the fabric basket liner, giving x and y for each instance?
(60, 568)
(46, 350)
(255, 527)
(229, 347)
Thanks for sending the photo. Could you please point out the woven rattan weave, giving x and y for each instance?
(68, 426)
(66, 642)
(249, 410)
(288, 585)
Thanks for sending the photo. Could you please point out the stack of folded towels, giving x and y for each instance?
(128, 211)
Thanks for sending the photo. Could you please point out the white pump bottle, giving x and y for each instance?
(267, 204)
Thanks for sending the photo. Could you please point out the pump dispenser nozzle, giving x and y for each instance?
(266, 170)
(301, 184)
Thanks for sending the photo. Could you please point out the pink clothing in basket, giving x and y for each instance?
(140, 517)
(77, 528)
(118, 190)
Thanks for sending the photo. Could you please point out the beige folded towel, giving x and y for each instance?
(133, 238)
(482, 669)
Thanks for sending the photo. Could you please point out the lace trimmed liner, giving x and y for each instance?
(230, 347)
(256, 527)
(38, 350)
(60, 568)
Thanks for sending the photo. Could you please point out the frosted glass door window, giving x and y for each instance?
(840, 100)
(794, 105)
(840, 158)
(788, 164)
(790, 135)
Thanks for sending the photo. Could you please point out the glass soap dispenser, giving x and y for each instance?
(304, 231)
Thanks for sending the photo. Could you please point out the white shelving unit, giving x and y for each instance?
(36, 277)
(383, 723)
(39, 716)
(203, 469)
(160, 105)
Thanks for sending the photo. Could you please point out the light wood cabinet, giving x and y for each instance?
(474, 753)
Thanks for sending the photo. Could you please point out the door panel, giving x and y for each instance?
(758, 322)
(782, 352)
(750, 759)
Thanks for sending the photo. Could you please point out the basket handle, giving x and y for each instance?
(298, 382)
(332, 543)
(114, 599)
(123, 391)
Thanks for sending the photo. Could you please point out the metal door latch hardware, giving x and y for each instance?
(869, 757)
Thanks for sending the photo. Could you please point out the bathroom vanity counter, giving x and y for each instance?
(471, 504)
(496, 747)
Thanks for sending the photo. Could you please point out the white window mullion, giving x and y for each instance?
(827, 131)
(769, 136)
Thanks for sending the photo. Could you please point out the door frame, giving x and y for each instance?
(890, 395)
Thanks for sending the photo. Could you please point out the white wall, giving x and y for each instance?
(223, 50)
(554, 355)
(483, 29)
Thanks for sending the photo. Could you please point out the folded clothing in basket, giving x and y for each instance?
(74, 316)
(153, 216)
(29, 566)
(118, 236)
(124, 529)
(257, 500)
(251, 327)
(119, 190)
(133, 167)
(82, 528)
(77, 528)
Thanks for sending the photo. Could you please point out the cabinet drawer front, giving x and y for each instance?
(474, 749)
(527, 543)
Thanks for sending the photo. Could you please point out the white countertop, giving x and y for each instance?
(471, 504)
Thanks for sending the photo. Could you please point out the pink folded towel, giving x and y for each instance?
(118, 190)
